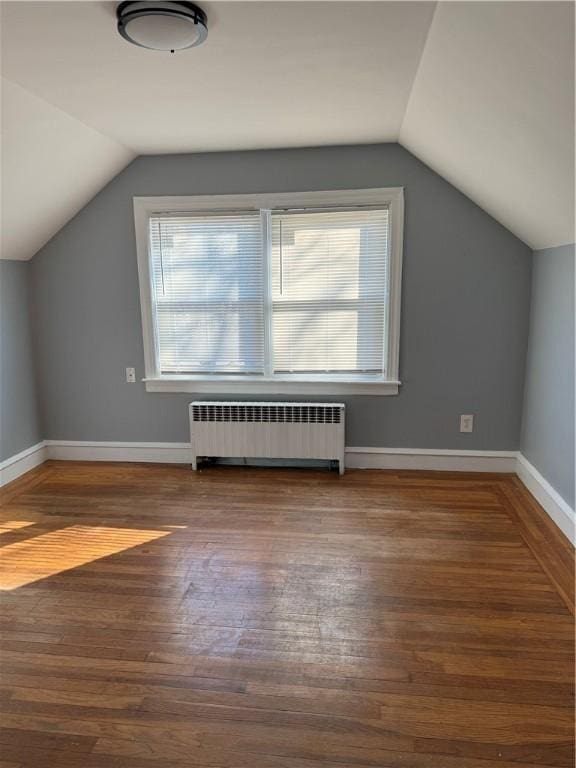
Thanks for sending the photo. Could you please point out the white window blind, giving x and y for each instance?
(282, 292)
(329, 291)
(208, 292)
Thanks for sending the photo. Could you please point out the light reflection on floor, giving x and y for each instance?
(13, 525)
(25, 562)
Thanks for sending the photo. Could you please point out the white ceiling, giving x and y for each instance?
(52, 165)
(270, 74)
(492, 110)
(481, 91)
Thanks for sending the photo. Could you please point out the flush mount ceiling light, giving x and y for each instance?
(162, 26)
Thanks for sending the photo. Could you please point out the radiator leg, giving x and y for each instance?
(341, 466)
(194, 463)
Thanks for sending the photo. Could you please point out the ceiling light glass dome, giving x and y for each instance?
(162, 26)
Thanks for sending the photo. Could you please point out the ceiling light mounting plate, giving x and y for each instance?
(162, 26)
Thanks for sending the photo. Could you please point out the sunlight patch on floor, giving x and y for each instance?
(46, 555)
(13, 525)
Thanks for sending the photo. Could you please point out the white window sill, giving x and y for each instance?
(276, 386)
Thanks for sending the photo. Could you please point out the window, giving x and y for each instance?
(208, 293)
(329, 292)
(271, 293)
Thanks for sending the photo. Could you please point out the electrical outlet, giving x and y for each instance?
(131, 375)
(466, 423)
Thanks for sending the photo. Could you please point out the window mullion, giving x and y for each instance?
(266, 218)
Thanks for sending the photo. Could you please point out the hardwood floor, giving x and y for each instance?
(240, 618)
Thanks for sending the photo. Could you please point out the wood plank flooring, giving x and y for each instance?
(153, 617)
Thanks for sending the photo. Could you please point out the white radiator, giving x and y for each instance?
(267, 430)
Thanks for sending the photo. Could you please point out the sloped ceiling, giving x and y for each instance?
(492, 110)
(52, 165)
(481, 91)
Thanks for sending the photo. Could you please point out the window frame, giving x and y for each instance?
(145, 207)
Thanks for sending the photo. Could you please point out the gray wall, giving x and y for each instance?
(548, 425)
(19, 419)
(465, 304)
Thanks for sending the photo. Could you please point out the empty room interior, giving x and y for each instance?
(287, 387)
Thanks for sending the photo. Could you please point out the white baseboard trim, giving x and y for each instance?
(556, 507)
(431, 459)
(80, 450)
(20, 463)
(356, 458)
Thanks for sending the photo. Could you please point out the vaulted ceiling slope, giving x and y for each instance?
(481, 91)
(52, 165)
(492, 110)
